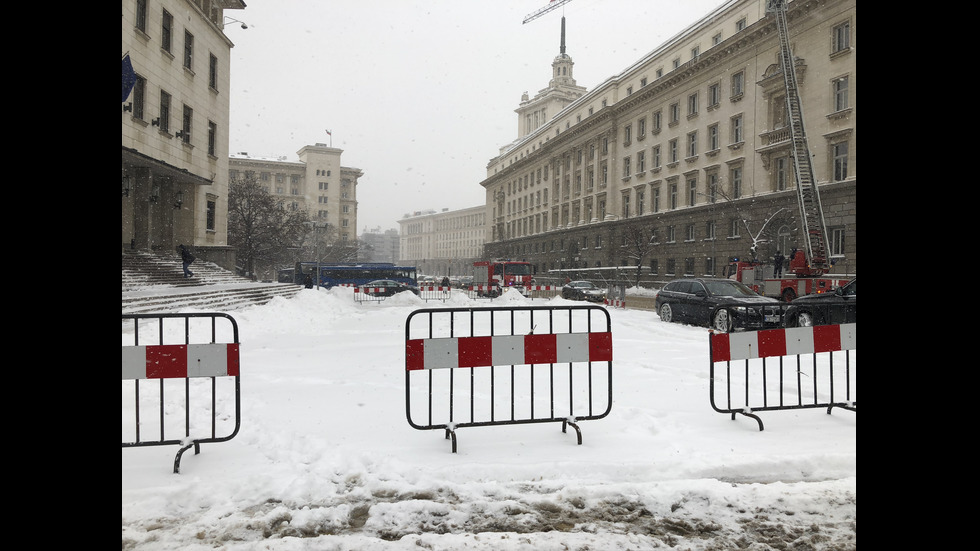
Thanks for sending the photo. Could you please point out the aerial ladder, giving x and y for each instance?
(811, 210)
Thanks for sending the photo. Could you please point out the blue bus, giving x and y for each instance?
(348, 274)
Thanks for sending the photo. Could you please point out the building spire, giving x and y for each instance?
(563, 35)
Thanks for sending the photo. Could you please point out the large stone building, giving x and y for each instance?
(175, 126)
(317, 182)
(443, 243)
(378, 246)
(683, 160)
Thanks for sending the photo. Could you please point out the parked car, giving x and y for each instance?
(387, 287)
(840, 306)
(583, 290)
(722, 304)
(464, 282)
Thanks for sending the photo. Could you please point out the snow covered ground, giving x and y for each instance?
(326, 460)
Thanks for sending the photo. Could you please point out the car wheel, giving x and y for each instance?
(804, 319)
(789, 295)
(722, 321)
(666, 313)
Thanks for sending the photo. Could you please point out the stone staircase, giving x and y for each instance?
(155, 283)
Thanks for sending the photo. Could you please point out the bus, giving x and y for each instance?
(354, 274)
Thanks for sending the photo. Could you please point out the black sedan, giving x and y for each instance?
(583, 290)
(387, 288)
(839, 306)
(722, 304)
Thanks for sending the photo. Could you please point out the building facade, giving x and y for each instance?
(316, 182)
(443, 243)
(378, 246)
(175, 126)
(683, 161)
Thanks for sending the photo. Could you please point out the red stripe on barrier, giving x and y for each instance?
(600, 347)
(721, 350)
(475, 351)
(772, 342)
(826, 338)
(415, 354)
(540, 349)
(234, 367)
(166, 361)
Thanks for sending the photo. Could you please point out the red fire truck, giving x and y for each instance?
(502, 274)
(800, 281)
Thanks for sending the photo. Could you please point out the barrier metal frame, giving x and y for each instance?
(817, 379)
(186, 359)
(458, 328)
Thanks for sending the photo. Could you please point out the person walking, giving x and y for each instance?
(778, 263)
(186, 258)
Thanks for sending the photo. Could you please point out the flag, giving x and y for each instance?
(329, 133)
(128, 77)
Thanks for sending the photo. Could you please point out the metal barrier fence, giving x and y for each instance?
(492, 291)
(471, 367)
(181, 380)
(429, 292)
(802, 367)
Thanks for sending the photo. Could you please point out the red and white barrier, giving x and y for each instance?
(435, 288)
(179, 361)
(507, 350)
(783, 342)
(615, 302)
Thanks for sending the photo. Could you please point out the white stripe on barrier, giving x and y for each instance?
(783, 342)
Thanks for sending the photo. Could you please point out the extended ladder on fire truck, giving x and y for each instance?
(811, 210)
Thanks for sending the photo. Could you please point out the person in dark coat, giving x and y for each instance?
(445, 281)
(778, 263)
(308, 281)
(186, 258)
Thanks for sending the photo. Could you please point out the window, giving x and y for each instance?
(213, 72)
(141, 15)
(640, 197)
(166, 32)
(692, 105)
(740, 24)
(840, 161)
(164, 121)
(840, 94)
(186, 120)
(712, 187)
(674, 113)
(689, 233)
(738, 84)
(692, 191)
(672, 151)
(837, 242)
(626, 205)
(714, 142)
(672, 191)
(211, 208)
(714, 95)
(737, 130)
(656, 199)
(656, 122)
(781, 173)
(641, 161)
(139, 98)
(841, 37)
(692, 144)
(212, 137)
(670, 237)
(188, 51)
(641, 128)
(716, 39)
(709, 230)
(627, 134)
(656, 156)
(626, 167)
(736, 177)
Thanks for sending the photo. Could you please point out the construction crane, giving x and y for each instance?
(551, 5)
(814, 227)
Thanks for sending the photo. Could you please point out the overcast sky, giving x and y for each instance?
(420, 95)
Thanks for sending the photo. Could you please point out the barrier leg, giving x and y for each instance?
(451, 433)
(197, 450)
(749, 414)
(574, 425)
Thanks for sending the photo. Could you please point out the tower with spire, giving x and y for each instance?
(561, 91)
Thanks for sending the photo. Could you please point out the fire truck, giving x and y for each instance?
(502, 274)
(808, 264)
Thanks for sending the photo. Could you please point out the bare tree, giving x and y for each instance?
(259, 226)
(760, 237)
(636, 246)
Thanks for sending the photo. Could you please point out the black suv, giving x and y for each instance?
(722, 304)
(839, 306)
